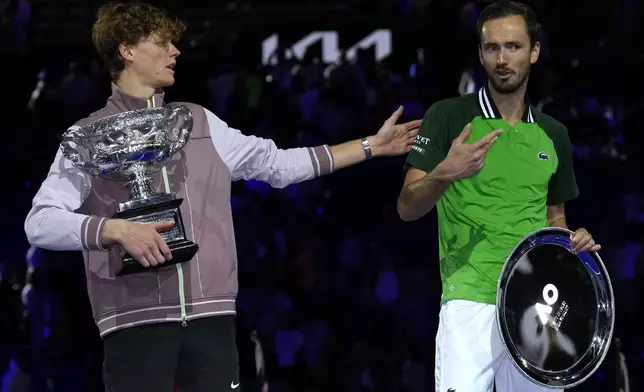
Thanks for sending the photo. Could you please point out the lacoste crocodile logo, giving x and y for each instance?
(543, 156)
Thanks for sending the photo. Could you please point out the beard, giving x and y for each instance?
(510, 86)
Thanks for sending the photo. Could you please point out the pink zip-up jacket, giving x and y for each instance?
(71, 207)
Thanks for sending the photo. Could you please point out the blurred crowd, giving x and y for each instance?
(340, 293)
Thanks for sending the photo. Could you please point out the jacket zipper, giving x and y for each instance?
(182, 296)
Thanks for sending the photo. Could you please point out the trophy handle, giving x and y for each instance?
(185, 127)
(71, 153)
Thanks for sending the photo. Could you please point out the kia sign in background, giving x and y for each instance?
(327, 46)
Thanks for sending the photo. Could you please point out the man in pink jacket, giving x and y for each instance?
(173, 324)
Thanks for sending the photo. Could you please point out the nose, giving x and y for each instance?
(174, 52)
(502, 57)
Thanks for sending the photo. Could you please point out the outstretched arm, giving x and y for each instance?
(250, 157)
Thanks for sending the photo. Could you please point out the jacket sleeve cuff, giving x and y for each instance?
(91, 230)
(322, 160)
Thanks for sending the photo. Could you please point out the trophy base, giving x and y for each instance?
(164, 208)
(182, 251)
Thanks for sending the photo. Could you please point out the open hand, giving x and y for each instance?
(395, 139)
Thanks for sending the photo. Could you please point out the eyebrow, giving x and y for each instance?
(517, 43)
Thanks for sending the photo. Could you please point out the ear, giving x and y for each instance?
(534, 52)
(125, 52)
(481, 55)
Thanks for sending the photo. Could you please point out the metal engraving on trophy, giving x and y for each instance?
(131, 147)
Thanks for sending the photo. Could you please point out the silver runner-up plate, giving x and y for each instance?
(555, 310)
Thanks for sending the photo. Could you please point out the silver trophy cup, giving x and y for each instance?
(555, 310)
(131, 147)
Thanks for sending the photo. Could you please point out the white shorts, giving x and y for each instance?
(469, 353)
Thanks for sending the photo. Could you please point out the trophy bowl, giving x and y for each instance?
(131, 146)
(111, 146)
(555, 310)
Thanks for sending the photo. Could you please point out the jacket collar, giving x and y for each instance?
(489, 110)
(126, 102)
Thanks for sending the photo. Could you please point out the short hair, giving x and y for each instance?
(505, 8)
(118, 24)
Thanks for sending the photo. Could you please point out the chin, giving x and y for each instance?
(507, 87)
(510, 86)
(165, 82)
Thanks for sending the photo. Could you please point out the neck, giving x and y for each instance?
(511, 106)
(133, 86)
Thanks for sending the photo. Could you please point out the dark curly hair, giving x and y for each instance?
(118, 24)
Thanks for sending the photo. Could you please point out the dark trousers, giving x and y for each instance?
(200, 357)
